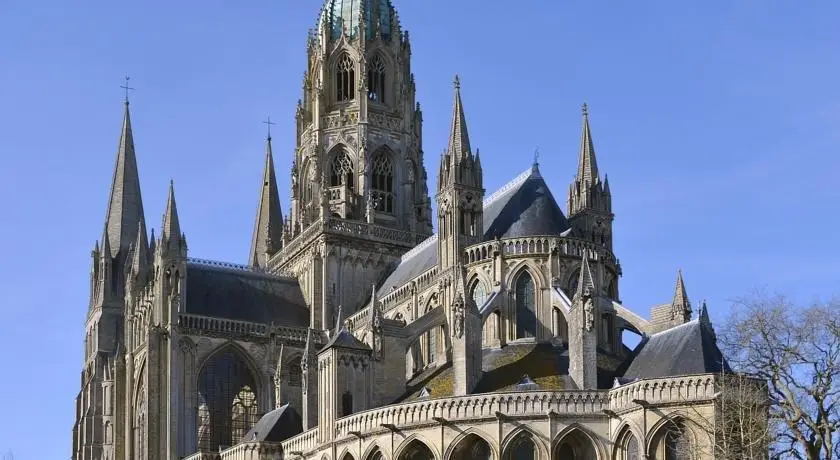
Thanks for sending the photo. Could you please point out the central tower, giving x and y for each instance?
(359, 198)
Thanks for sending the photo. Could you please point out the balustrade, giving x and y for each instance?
(205, 324)
(538, 245)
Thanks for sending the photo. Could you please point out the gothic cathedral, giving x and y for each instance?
(360, 329)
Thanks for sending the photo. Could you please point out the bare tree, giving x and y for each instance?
(739, 430)
(796, 351)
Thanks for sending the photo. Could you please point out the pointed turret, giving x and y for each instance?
(125, 205)
(583, 335)
(680, 305)
(587, 171)
(586, 282)
(140, 253)
(171, 238)
(465, 333)
(268, 227)
(459, 139)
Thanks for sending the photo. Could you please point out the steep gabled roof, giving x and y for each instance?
(345, 339)
(522, 207)
(276, 426)
(686, 349)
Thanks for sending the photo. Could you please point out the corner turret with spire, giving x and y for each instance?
(590, 202)
(460, 190)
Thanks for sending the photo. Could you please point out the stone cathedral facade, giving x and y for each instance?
(357, 331)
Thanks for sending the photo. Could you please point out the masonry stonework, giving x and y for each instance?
(355, 331)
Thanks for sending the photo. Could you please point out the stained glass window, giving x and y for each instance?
(526, 319)
(345, 83)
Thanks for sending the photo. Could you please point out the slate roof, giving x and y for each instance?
(244, 295)
(523, 207)
(276, 426)
(344, 339)
(687, 349)
(526, 209)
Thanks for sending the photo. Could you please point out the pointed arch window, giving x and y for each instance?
(522, 448)
(341, 170)
(526, 318)
(376, 79)
(382, 181)
(140, 421)
(227, 390)
(345, 79)
(478, 294)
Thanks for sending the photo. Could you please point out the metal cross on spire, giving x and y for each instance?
(536, 156)
(126, 88)
(269, 123)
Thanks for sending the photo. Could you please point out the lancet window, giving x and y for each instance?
(526, 319)
(345, 79)
(382, 181)
(376, 79)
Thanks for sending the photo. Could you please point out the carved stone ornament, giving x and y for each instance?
(588, 309)
(458, 316)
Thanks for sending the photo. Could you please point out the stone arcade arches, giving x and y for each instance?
(472, 447)
(416, 450)
(575, 443)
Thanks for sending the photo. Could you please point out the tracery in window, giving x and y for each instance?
(376, 79)
(382, 181)
(345, 79)
(341, 170)
(479, 295)
(244, 410)
(526, 319)
(228, 390)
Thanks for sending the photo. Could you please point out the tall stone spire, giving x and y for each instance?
(268, 226)
(590, 200)
(125, 205)
(680, 305)
(459, 139)
(587, 171)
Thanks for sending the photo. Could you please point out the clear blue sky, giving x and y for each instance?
(716, 121)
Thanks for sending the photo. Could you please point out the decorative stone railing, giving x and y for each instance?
(475, 407)
(208, 325)
(538, 245)
(198, 323)
(303, 442)
(203, 456)
(391, 299)
(344, 227)
(486, 406)
(253, 451)
(689, 388)
(228, 265)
